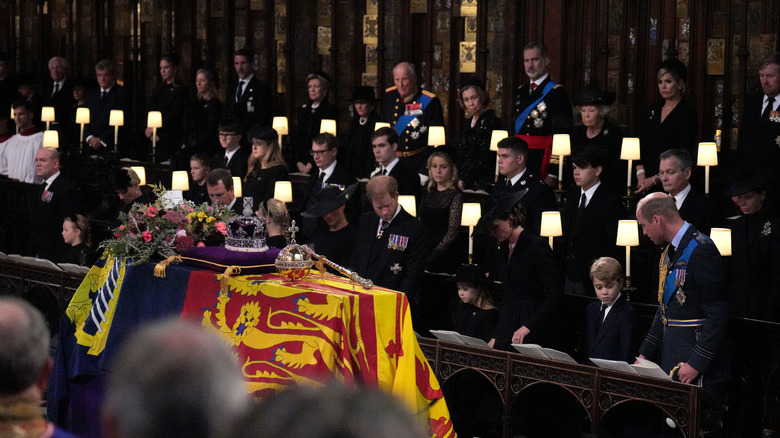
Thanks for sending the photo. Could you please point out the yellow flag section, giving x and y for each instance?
(312, 331)
(92, 308)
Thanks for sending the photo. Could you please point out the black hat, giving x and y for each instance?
(328, 199)
(593, 96)
(675, 65)
(470, 81)
(363, 93)
(265, 133)
(473, 274)
(749, 181)
(503, 204)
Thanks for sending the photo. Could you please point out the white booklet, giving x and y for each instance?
(536, 350)
(645, 367)
(457, 338)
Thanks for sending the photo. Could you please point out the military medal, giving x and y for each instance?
(396, 242)
(396, 268)
(679, 281)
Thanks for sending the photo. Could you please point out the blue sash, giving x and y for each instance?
(676, 277)
(405, 119)
(520, 120)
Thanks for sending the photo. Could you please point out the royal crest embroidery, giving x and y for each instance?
(396, 268)
(767, 230)
(397, 242)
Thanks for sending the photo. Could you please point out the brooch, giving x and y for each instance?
(767, 229)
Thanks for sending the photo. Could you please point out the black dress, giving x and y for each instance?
(276, 242)
(80, 254)
(609, 141)
(206, 115)
(173, 101)
(308, 126)
(472, 321)
(678, 130)
(261, 182)
(360, 154)
(336, 246)
(476, 162)
(440, 212)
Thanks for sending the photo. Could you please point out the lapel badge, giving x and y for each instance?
(396, 268)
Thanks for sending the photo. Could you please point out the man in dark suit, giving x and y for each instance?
(610, 322)
(410, 110)
(674, 171)
(384, 142)
(759, 133)
(590, 220)
(542, 108)
(390, 245)
(219, 184)
(248, 100)
(234, 156)
(512, 165)
(59, 95)
(106, 97)
(327, 172)
(688, 331)
(56, 201)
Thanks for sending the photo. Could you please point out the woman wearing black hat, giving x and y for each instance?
(359, 150)
(309, 117)
(533, 285)
(671, 123)
(754, 288)
(592, 105)
(474, 158)
(265, 165)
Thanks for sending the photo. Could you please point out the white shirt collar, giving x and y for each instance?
(390, 166)
(678, 237)
(517, 177)
(328, 171)
(589, 193)
(229, 154)
(541, 79)
(51, 179)
(680, 197)
(609, 305)
(246, 79)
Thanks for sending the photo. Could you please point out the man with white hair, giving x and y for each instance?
(411, 111)
(25, 366)
(59, 95)
(173, 378)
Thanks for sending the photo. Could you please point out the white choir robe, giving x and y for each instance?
(19, 157)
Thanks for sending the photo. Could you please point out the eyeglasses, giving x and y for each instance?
(227, 134)
(313, 152)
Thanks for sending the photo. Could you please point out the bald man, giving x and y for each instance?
(688, 330)
(56, 201)
(411, 110)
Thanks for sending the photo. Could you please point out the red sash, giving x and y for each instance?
(540, 142)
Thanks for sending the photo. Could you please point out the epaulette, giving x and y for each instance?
(393, 88)
(557, 85)
(702, 239)
(428, 93)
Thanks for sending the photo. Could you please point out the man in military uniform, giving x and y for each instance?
(542, 108)
(411, 111)
(687, 334)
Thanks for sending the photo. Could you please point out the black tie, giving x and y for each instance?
(55, 89)
(239, 90)
(769, 105)
(508, 182)
(103, 94)
(583, 200)
(384, 171)
(602, 312)
(225, 161)
(321, 180)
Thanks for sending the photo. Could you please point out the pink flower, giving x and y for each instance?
(222, 228)
(201, 244)
(121, 227)
(147, 236)
(152, 212)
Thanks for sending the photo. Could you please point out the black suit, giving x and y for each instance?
(533, 287)
(63, 102)
(699, 211)
(408, 180)
(758, 144)
(704, 289)
(399, 269)
(100, 111)
(255, 107)
(616, 338)
(52, 206)
(589, 234)
(238, 163)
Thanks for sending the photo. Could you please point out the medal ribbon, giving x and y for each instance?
(405, 119)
